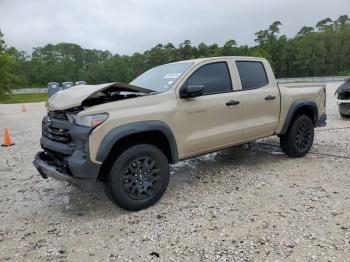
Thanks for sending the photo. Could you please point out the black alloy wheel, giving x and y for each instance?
(299, 138)
(141, 178)
(138, 177)
(303, 136)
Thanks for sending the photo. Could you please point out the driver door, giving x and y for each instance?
(210, 121)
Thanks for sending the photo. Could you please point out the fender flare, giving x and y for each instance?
(293, 108)
(120, 132)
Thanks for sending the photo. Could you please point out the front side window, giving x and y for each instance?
(161, 78)
(215, 78)
(252, 74)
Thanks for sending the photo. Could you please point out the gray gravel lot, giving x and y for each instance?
(249, 203)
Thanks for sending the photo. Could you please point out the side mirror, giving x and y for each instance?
(191, 91)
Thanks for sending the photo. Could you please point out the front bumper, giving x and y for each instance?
(67, 161)
(44, 163)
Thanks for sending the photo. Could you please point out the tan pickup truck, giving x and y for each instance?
(125, 135)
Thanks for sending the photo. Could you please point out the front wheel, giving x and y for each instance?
(139, 177)
(299, 138)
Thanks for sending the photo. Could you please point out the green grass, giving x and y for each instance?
(344, 73)
(23, 98)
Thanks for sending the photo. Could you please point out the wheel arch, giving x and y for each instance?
(154, 132)
(300, 107)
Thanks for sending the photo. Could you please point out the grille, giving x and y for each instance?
(57, 115)
(54, 133)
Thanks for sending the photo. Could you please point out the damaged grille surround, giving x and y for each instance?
(59, 131)
(56, 140)
(66, 147)
(54, 133)
(58, 114)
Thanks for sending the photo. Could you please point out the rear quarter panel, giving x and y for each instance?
(301, 91)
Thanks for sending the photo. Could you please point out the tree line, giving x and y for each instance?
(314, 51)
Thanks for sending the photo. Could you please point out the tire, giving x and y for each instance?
(299, 138)
(139, 177)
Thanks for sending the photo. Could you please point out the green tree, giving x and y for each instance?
(305, 30)
(314, 51)
(8, 66)
(229, 48)
(325, 24)
(185, 50)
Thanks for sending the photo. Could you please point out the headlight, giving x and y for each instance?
(89, 121)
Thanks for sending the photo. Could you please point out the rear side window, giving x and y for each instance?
(252, 74)
(214, 77)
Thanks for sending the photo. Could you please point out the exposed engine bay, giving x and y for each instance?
(115, 92)
(106, 97)
(90, 95)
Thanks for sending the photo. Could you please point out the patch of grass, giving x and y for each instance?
(23, 98)
(344, 73)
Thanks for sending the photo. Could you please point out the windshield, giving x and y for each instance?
(161, 78)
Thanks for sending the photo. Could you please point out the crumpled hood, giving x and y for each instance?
(74, 96)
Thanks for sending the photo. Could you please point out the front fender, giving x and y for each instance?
(118, 133)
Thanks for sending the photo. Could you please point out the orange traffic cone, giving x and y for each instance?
(24, 109)
(7, 139)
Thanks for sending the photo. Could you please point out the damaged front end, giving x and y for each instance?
(66, 151)
(90, 95)
(65, 134)
(343, 98)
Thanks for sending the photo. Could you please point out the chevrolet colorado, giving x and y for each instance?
(125, 135)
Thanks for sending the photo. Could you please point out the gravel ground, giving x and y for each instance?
(249, 203)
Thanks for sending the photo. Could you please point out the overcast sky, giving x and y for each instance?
(126, 27)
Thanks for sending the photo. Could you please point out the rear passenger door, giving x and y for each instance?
(260, 99)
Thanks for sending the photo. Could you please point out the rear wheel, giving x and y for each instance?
(139, 177)
(299, 138)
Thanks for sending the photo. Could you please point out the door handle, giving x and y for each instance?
(232, 103)
(269, 97)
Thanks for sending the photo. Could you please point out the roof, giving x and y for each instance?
(199, 60)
